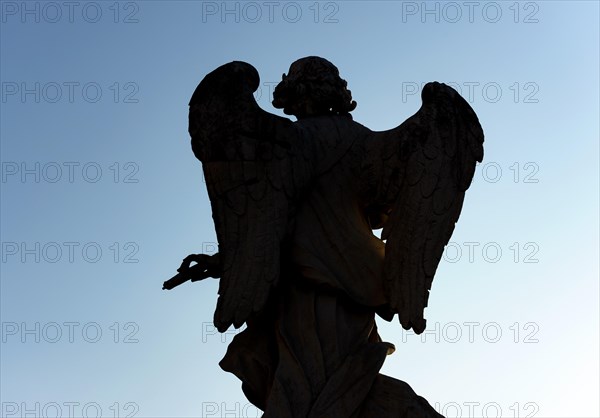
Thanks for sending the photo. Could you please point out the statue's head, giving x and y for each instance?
(313, 87)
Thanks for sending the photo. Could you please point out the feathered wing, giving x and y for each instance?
(421, 170)
(256, 166)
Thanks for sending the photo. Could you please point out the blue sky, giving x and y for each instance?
(101, 197)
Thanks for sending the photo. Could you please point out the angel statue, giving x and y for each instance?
(295, 205)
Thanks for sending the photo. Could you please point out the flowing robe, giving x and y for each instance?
(315, 351)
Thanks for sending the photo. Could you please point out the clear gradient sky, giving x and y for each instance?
(102, 197)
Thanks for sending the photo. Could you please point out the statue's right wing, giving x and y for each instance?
(420, 172)
(256, 166)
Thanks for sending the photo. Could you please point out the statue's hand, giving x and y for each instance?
(206, 266)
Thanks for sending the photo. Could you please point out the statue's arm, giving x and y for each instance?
(206, 266)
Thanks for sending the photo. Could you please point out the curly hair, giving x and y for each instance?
(313, 87)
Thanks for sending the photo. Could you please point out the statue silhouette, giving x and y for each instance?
(295, 205)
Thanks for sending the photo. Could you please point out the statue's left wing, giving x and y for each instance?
(420, 171)
(256, 166)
